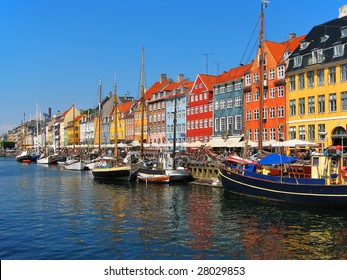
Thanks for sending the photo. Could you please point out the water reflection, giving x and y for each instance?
(49, 213)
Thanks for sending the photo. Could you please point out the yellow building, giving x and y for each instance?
(69, 129)
(316, 79)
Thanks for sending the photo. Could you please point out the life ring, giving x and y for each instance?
(344, 172)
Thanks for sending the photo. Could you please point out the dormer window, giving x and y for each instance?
(303, 45)
(324, 38)
(344, 32)
(297, 61)
(338, 50)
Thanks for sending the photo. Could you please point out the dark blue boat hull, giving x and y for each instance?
(304, 191)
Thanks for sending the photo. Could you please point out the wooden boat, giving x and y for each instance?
(152, 176)
(74, 163)
(108, 170)
(326, 186)
(44, 159)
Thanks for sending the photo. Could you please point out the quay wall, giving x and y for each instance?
(204, 172)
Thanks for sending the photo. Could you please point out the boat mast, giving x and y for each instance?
(73, 125)
(142, 101)
(174, 132)
(261, 73)
(115, 114)
(99, 119)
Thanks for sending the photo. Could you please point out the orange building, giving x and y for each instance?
(274, 100)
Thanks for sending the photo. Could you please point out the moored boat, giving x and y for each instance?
(325, 187)
(152, 176)
(74, 163)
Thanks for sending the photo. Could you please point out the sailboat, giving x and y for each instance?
(110, 169)
(324, 186)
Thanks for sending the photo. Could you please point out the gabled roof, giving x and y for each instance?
(277, 50)
(207, 80)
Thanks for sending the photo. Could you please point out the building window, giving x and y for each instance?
(280, 112)
(256, 114)
(229, 103)
(332, 75)
(238, 101)
(297, 61)
(311, 105)
(255, 77)
(344, 73)
(343, 32)
(311, 132)
(317, 56)
(292, 132)
(248, 115)
(301, 81)
(343, 101)
(248, 79)
(272, 93)
(272, 133)
(256, 134)
(205, 95)
(302, 132)
(321, 103)
(222, 124)
(216, 124)
(222, 104)
(292, 83)
(248, 97)
(265, 134)
(302, 106)
(271, 74)
(256, 96)
(264, 113)
(280, 91)
(272, 113)
(216, 105)
(205, 123)
(230, 125)
(238, 122)
(332, 102)
(320, 74)
(230, 87)
(205, 108)
(292, 107)
(280, 71)
(338, 50)
(310, 79)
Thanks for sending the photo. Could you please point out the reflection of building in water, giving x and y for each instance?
(271, 240)
(200, 221)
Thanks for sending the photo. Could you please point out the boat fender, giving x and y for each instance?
(344, 172)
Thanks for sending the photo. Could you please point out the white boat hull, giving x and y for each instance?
(76, 165)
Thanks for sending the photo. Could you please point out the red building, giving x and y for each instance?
(200, 110)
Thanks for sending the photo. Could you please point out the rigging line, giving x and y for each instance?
(250, 39)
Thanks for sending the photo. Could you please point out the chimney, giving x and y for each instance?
(163, 77)
(49, 112)
(343, 11)
(292, 36)
(180, 77)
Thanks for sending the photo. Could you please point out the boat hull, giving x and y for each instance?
(45, 160)
(75, 166)
(175, 175)
(112, 174)
(304, 192)
(153, 178)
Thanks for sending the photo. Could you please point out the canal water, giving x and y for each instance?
(50, 213)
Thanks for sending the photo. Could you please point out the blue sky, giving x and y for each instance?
(53, 53)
